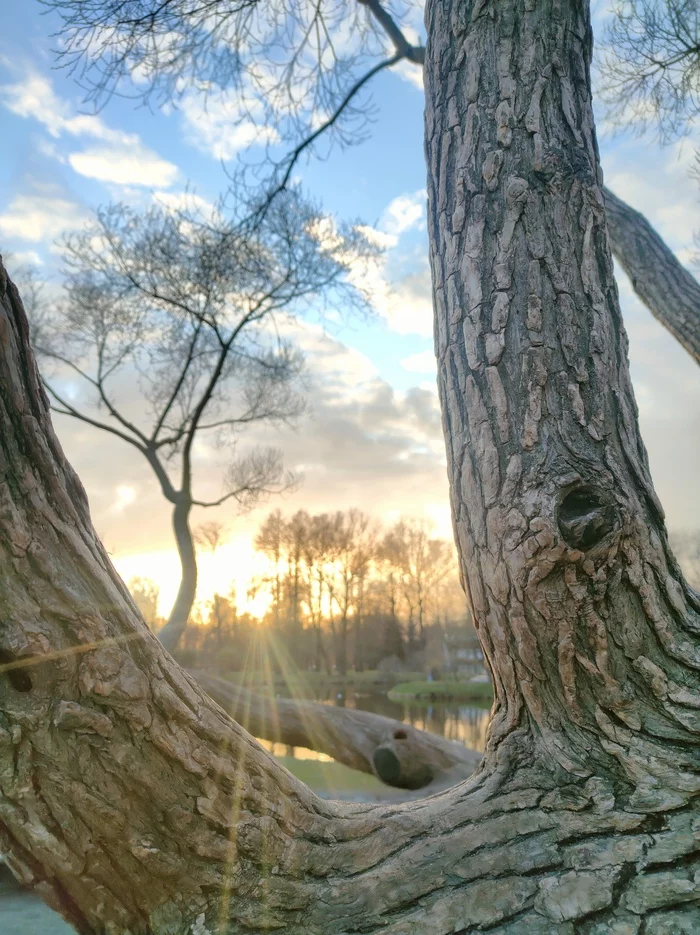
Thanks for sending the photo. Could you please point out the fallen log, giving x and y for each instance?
(397, 753)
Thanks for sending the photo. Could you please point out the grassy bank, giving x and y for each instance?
(441, 690)
(304, 684)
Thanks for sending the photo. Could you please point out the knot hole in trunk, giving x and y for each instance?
(18, 677)
(585, 516)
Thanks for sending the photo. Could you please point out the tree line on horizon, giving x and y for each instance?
(344, 593)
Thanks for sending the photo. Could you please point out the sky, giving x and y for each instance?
(372, 437)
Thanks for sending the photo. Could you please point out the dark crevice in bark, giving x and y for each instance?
(18, 677)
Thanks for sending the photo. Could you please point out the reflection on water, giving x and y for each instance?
(465, 722)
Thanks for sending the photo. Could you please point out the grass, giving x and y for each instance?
(304, 682)
(332, 779)
(441, 690)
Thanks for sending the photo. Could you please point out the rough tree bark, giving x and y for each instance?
(396, 753)
(135, 805)
(665, 286)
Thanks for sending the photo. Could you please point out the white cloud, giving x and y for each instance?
(216, 125)
(343, 368)
(378, 238)
(27, 258)
(409, 72)
(134, 165)
(40, 217)
(424, 362)
(405, 304)
(34, 97)
(185, 201)
(404, 213)
(124, 160)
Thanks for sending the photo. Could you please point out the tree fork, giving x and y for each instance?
(134, 804)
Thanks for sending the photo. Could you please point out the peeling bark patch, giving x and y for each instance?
(585, 517)
(18, 677)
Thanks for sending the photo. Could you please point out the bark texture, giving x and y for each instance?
(134, 804)
(665, 286)
(395, 752)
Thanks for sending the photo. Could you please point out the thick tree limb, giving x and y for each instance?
(414, 53)
(395, 752)
(662, 283)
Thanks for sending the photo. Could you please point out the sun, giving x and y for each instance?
(232, 566)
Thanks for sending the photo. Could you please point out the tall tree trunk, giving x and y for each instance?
(133, 803)
(664, 285)
(176, 624)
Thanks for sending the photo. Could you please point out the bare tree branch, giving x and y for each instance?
(69, 410)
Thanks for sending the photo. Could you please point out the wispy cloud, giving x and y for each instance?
(404, 213)
(122, 158)
(215, 124)
(41, 216)
(124, 166)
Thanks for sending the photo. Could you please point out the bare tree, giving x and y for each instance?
(210, 535)
(349, 548)
(172, 325)
(423, 562)
(270, 540)
(314, 557)
(324, 567)
(223, 615)
(650, 76)
(146, 594)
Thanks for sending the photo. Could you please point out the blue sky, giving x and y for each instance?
(373, 437)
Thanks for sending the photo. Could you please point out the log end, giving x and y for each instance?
(395, 766)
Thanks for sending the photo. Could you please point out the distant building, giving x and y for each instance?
(461, 649)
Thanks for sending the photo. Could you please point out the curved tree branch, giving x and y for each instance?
(296, 153)
(414, 53)
(70, 410)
